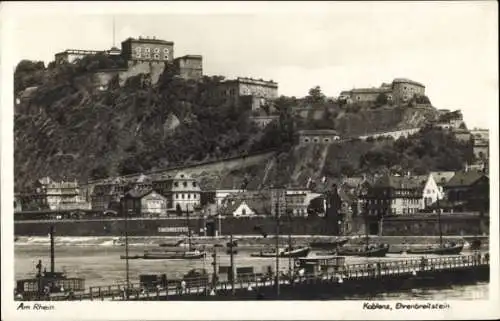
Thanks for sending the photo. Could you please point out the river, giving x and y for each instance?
(100, 264)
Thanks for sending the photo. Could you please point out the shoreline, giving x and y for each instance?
(246, 241)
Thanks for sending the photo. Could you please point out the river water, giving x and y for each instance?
(100, 264)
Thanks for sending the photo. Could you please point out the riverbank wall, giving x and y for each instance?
(451, 224)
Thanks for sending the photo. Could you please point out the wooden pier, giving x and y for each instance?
(345, 280)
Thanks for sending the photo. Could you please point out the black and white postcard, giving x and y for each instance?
(249, 160)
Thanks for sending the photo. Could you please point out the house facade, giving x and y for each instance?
(297, 201)
(441, 178)
(148, 49)
(107, 193)
(469, 191)
(221, 194)
(57, 195)
(242, 210)
(182, 191)
(247, 93)
(189, 66)
(394, 195)
(431, 192)
(138, 202)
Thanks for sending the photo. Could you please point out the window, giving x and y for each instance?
(189, 196)
(316, 140)
(185, 184)
(147, 55)
(306, 140)
(157, 50)
(326, 140)
(176, 184)
(194, 184)
(165, 51)
(138, 50)
(244, 212)
(157, 56)
(138, 55)
(147, 50)
(182, 196)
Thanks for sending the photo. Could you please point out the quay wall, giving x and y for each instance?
(458, 225)
(451, 224)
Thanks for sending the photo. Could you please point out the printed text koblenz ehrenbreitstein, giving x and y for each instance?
(405, 306)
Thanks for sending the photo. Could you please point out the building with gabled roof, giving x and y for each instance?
(181, 190)
(469, 190)
(141, 202)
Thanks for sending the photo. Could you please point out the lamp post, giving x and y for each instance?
(126, 248)
(277, 213)
(289, 243)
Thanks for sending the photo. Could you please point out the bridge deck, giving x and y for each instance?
(343, 273)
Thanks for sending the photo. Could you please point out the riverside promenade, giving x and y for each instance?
(350, 279)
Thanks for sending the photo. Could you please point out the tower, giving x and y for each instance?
(114, 51)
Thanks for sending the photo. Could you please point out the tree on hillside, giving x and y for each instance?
(29, 66)
(315, 96)
(381, 100)
(28, 73)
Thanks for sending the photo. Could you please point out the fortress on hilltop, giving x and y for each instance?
(401, 90)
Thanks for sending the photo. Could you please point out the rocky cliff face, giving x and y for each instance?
(70, 127)
(384, 119)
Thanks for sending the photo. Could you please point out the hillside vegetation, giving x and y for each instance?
(69, 128)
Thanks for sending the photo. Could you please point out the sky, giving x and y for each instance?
(452, 48)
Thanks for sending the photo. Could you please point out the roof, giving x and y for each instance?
(406, 80)
(402, 182)
(442, 177)
(259, 205)
(140, 193)
(371, 90)
(182, 175)
(465, 178)
(137, 193)
(149, 40)
(143, 179)
(197, 57)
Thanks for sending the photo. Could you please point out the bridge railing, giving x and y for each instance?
(200, 285)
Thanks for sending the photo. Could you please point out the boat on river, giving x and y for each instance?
(328, 245)
(174, 255)
(367, 251)
(286, 252)
(180, 243)
(446, 249)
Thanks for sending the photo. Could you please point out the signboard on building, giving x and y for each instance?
(173, 229)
